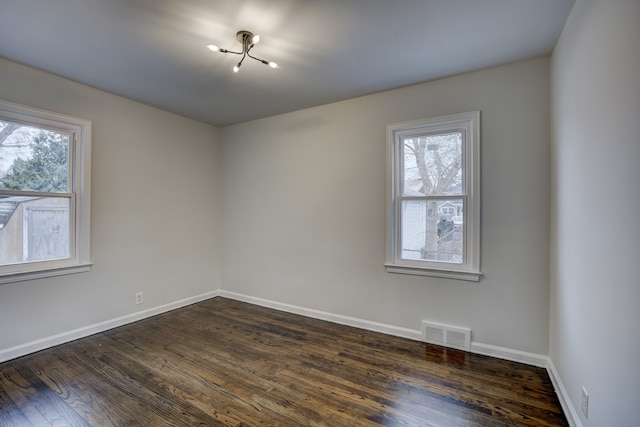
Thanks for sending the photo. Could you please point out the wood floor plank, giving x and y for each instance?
(228, 363)
(10, 413)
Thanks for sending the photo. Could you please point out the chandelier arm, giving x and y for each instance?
(257, 59)
(230, 51)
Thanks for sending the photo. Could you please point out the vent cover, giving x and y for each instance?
(445, 335)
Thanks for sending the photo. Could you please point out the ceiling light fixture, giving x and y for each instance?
(248, 40)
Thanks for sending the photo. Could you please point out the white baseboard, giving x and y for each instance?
(569, 411)
(533, 359)
(41, 344)
(413, 334)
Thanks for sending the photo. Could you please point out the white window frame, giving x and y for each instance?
(469, 269)
(79, 188)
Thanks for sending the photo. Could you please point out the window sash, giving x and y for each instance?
(400, 233)
(46, 126)
(404, 136)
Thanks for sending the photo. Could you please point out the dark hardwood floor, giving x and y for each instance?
(228, 363)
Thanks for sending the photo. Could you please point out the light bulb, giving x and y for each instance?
(255, 39)
(272, 64)
(213, 48)
(236, 68)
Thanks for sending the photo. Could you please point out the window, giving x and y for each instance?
(45, 161)
(433, 218)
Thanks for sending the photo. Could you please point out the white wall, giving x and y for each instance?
(595, 285)
(304, 208)
(155, 212)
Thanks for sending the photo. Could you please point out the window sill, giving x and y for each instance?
(421, 271)
(48, 272)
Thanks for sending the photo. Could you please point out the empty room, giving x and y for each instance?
(319, 213)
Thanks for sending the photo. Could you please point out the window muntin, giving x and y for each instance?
(433, 201)
(44, 193)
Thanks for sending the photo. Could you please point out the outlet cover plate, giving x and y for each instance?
(585, 403)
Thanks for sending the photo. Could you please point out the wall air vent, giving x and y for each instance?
(445, 335)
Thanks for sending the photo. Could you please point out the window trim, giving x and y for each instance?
(470, 268)
(80, 193)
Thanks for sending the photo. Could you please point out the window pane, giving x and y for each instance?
(33, 159)
(433, 165)
(430, 232)
(34, 229)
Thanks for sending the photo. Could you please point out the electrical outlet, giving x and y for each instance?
(139, 299)
(585, 403)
